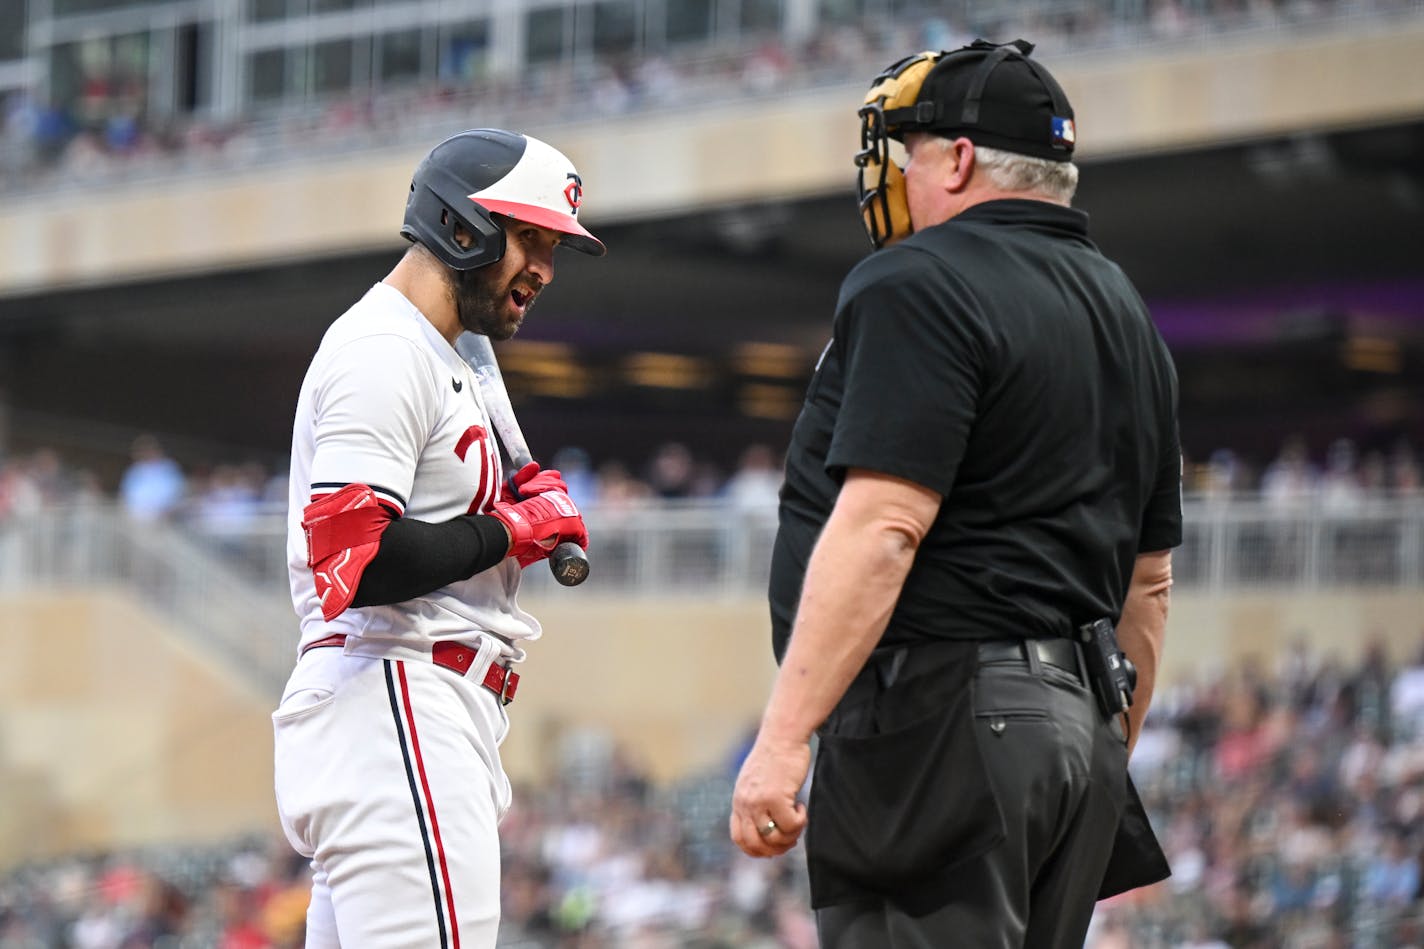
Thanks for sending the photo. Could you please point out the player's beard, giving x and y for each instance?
(485, 308)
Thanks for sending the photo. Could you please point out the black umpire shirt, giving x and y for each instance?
(1001, 360)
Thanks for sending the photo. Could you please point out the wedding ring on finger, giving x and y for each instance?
(766, 829)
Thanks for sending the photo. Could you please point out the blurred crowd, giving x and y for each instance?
(599, 858)
(224, 499)
(1338, 481)
(1290, 800)
(1289, 797)
(714, 523)
(106, 131)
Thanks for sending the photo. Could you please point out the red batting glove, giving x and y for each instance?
(539, 524)
(530, 481)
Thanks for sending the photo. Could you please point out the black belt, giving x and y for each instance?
(1060, 653)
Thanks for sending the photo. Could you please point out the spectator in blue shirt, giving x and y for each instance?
(153, 485)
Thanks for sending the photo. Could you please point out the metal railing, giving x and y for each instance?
(230, 590)
(181, 577)
(1254, 543)
(710, 548)
(702, 548)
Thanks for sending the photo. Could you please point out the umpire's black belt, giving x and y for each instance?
(1060, 653)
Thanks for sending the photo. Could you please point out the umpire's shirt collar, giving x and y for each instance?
(1025, 211)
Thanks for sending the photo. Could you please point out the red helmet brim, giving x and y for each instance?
(576, 235)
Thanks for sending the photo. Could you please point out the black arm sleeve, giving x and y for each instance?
(417, 557)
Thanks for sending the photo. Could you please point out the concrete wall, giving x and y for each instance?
(651, 163)
(115, 729)
(678, 682)
(1204, 632)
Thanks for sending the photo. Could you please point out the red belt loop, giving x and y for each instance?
(457, 657)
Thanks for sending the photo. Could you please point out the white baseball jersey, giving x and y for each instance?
(387, 402)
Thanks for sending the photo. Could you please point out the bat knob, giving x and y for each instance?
(569, 564)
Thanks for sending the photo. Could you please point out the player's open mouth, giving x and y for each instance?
(521, 298)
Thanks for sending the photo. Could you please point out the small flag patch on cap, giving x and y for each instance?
(1063, 131)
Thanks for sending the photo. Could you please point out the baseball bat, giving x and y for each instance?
(568, 561)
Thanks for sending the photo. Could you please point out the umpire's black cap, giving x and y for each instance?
(995, 96)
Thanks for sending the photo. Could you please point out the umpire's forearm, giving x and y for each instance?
(1142, 630)
(850, 590)
(852, 584)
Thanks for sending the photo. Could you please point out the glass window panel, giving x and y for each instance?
(761, 14)
(299, 65)
(66, 75)
(614, 26)
(193, 67)
(260, 10)
(331, 66)
(840, 11)
(464, 51)
(267, 75)
(544, 34)
(12, 30)
(101, 77)
(66, 7)
(130, 57)
(400, 56)
(689, 20)
(326, 6)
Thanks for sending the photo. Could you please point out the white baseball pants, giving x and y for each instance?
(388, 778)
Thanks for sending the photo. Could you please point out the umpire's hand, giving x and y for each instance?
(767, 819)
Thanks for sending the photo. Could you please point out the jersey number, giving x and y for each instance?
(476, 434)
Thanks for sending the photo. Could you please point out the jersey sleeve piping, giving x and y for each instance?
(384, 495)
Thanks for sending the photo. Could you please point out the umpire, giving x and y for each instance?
(983, 487)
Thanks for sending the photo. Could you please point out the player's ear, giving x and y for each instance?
(463, 237)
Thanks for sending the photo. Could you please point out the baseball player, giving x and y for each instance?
(405, 546)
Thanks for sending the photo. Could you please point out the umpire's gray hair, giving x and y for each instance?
(1010, 171)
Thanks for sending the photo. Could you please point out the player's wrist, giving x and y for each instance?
(539, 524)
(504, 529)
(516, 528)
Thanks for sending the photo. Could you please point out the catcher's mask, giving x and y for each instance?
(1022, 110)
(474, 175)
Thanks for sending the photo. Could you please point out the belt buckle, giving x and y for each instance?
(508, 685)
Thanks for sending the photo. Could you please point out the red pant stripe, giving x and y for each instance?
(429, 806)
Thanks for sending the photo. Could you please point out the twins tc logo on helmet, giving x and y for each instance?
(573, 192)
